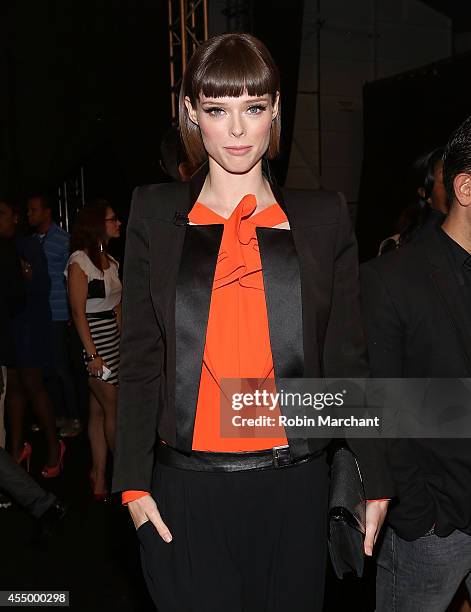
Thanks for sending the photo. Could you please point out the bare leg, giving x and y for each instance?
(32, 380)
(106, 395)
(96, 435)
(15, 407)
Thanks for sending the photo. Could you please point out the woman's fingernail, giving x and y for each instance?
(167, 537)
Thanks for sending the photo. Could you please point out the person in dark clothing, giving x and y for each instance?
(416, 305)
(14, 480)
(60, 382)
(12, 299)
(430, 201)
(12, 296)
(31, 331)
(212, 290)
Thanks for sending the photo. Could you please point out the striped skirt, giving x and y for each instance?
(105, 335)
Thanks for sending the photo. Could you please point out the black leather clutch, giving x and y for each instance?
(347, 514)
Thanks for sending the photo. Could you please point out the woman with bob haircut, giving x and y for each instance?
(228, 277)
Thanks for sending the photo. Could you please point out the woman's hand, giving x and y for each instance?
(95, 367)
(145, 509)
(375, 515)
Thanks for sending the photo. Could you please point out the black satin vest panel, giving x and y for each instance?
(192, 301)
(282, 283)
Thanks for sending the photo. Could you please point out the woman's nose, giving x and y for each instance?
(237, 127)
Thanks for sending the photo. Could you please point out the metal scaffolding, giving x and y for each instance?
(187, 28)
(71, 198)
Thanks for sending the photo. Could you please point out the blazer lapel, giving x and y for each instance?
(192, 301)
(282, 284)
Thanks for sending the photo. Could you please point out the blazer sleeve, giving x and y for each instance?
(141, 357)
(345, 354)
(385, 335)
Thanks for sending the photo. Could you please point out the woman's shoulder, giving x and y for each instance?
(79, 256)
(159, 200)
(83, 260)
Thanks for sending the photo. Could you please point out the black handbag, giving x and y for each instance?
(347, 514)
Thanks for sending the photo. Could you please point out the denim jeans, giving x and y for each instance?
(422, 575)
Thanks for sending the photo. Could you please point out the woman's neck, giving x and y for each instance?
(223, 190)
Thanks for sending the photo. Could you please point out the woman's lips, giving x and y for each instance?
(238, 150)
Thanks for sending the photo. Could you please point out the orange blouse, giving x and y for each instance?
(237, 336)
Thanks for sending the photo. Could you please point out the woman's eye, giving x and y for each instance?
(214, 112)
(258, 108)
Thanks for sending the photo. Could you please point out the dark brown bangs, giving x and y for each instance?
(231, 64)
(238, 72)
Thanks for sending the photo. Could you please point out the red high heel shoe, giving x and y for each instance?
(98, 497)
(54, 470)
(25, 455)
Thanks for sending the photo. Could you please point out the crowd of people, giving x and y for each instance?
(228, 276)
(61, 301)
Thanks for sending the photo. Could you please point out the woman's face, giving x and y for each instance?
(235, 130)
(112, 224)
(8, 221)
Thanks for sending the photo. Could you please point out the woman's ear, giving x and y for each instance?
(275, 105)
(191, 111)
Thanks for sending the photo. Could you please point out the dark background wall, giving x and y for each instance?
(88, 83)
(404, 117)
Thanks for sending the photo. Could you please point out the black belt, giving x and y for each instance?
(205, 461)
(104, 314)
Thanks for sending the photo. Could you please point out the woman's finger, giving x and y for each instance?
(163, 530)
(144, 509)
(369, 539)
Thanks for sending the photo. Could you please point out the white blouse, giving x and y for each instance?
(110, 276)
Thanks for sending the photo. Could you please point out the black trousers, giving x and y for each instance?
(242, 541)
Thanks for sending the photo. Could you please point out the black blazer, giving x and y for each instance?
(417, 327)
(311, 284)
